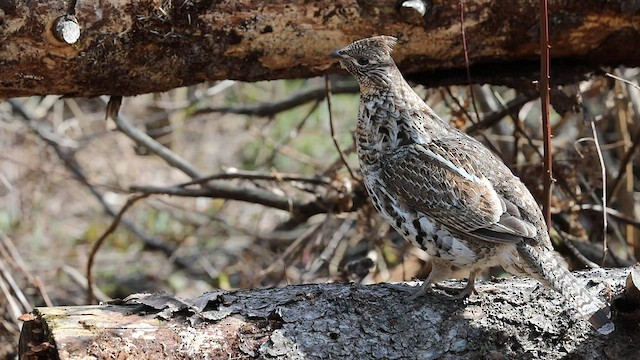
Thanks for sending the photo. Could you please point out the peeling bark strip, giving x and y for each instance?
(131, 47)
(510, 319)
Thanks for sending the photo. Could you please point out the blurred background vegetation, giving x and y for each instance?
(65, 172)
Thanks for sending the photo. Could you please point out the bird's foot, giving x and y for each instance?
(465, 292)
(456, 293)
(419, 291)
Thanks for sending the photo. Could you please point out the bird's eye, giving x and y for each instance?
(363, 61)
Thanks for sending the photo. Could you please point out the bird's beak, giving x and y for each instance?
(336, 54)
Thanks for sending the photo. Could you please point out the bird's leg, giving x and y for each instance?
(438, 272)
(469, 288)
(419, 291)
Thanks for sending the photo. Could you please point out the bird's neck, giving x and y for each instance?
(397, 107)
(390, 117)
(389, 82)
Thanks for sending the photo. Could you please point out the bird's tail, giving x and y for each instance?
(545, 267)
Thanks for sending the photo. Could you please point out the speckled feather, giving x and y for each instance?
(444, 191)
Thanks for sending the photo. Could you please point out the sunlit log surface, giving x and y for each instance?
(510, 319)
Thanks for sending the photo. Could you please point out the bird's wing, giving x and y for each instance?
(451, 190)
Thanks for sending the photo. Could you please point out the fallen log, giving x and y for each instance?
(509, 319)
(124, 47)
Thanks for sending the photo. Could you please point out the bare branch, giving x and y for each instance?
(270, 109)
(300, 209)
(233, 173)
(141, 138)
(94, 249)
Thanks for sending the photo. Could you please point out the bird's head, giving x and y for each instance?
(369, 60)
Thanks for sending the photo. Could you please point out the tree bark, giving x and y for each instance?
(87, 48)
(509, 319)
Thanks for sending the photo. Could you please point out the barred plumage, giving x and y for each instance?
(444, 191)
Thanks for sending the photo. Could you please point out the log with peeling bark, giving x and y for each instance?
(88, 48)
(510, 319)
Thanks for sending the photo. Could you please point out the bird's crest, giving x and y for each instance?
(377, 46)
(383, 42)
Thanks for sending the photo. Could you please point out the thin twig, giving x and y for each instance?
(12, 286)
(281, 146)
(517, 123)
(486, 139)
(603, 171)
(96, 246)
(625, 119)
(79, 279)
(614, 227)
(333, 168)
(12, 257)
(283, 149)
(495, 117)
(327, 85)
(291, 250)
(544, 100)
(610, 212)
(330, 248)
(567, 240)
(466, 60)
(623, 80)
(11, 303)
(455, 100)
(37, 281)
(517, 144)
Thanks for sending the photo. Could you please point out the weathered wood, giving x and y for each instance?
(130, 47)
(510, 319)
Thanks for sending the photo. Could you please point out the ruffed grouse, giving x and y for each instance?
(444, 191)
